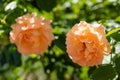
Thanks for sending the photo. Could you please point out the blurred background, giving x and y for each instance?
(55, 63)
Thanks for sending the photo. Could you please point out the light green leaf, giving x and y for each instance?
(118, 19)
(112, 31)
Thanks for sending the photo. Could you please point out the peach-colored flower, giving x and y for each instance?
(87, 44)
(31, 34)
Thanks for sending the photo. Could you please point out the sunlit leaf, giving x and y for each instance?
(12, 5)
(112, 31)
(117, 19)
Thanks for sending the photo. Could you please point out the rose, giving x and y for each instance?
(31, 34)
(87, 44)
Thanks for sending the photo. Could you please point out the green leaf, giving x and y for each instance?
(46, 5)
(60, 42)
(105, 72)
(16, 59)
(112, 31)
(57, 30)
(117, 63)
(117, 19)
(116, 36)
(32, 9)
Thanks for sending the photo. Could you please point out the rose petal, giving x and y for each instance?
(87, 44)
(31, 34)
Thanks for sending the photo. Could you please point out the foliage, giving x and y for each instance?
(55, 64)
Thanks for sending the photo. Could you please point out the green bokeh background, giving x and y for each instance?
(55, 63)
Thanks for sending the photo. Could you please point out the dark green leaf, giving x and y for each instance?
(117, 63)
(46, 5)
(60, 42)
(106, 72)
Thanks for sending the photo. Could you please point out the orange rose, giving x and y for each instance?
(87, 44)
(31, 34)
